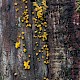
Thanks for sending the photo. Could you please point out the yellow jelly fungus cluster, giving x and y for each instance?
(39, 20)
(27, 64)
(41, 25)
(40, 33)
(15, 4)
(24, 19)
(45, 78)
(44, 36)
(17, 44)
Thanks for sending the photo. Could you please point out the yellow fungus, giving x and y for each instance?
(26, 7)
(35, 4)
(29, 25)
(26, 21)
(23, 32)
(39, 36)
(17, 9)
(46, 62)
(23, 0)
(29, 55)
(22, 37)
(32, 12)
(24, 50)
(22, 21)
(46, 78)
(38, 59)
(15, 3)
(42, 57)
(39, 50)
(26, 64)
(36, 31)
(46, 57)
(47, 54)
(19, 36)
(17, 45)
(40, 28)
(37, 54)
(46, 49)
(36, 42)
(35, 36)
(44, 36)
(26, 1)
(24, 18)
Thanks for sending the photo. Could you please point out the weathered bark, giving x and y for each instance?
(61, 40)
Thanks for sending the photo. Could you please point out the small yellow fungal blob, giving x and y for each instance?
(37, 54)
(40, 28)
(32, 12)
(26, 21)
(27, 16)
(19, 36)
(26, 64)
(39, 32)
(29, 25)
(44, 36)
(22, 21)
(46, 57)
(23, 32)
(29, 55)
(36, 42)
(39, 25)
(38, 59)
(26, 1)
(24, 18)
(24, 50)
(46, 62)
(46, 78)
(26, 7)
(35, 36)
(15, 3)
(34, 19)
(17, 45)
(36, 31)
(42, 50)
(23, 0)
(39, 36)
(47, 49)
(47, 54)
(45, 23)
(35, 4)
(42, 57)
(17, 9)
(36, 9)
(22, 37)
(39, 50)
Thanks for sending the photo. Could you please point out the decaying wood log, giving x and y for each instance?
(63, 40)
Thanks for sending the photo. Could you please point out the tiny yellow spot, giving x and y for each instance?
(23, 32)
(15, 3)
(37, 54)
(22, 37)
(29, 55)
(24, 50)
